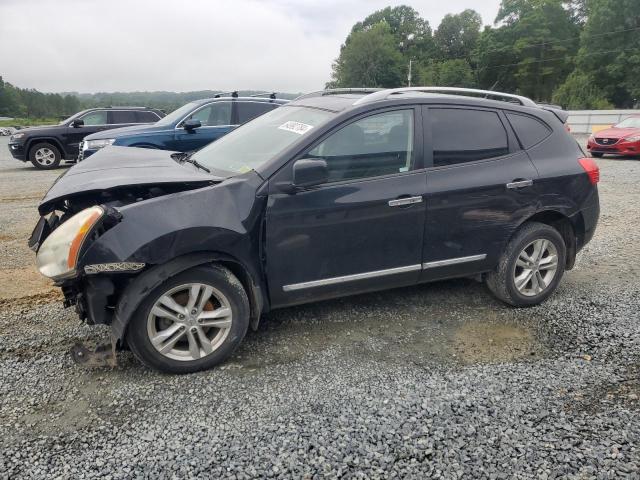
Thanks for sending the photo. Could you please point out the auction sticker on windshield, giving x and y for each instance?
(295, 127)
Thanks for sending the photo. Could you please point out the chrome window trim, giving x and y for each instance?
(381, 273)
(349, 278)
(453, 261)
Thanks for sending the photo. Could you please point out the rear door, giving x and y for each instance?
(362, 230)
(479, 189)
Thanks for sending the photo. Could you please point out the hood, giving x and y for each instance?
(124, 131)
(614, 132)
(29, 130)
(116, 167)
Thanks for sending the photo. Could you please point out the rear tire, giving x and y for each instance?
(44, 156)
(597, 154)
(531, 267)
(191, 322)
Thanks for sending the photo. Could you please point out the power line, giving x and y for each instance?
(558, 58)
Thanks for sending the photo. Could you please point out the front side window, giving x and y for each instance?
(380, 144)
(465, 135)
(98, 117)
(213, 115)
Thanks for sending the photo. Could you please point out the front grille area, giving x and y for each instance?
(606, 141)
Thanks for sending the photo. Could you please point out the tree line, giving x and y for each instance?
(578, 53)
(27, 103)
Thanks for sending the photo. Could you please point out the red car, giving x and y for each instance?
(621, 139)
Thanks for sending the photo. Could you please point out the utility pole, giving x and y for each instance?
(409, 76)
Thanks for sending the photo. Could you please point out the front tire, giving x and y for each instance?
(192, 322)
(44, 156)
(531, 267)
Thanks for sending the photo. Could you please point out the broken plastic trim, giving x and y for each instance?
(113, 267)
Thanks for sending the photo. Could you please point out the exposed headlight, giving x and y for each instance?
(633, 138)
(97, 144)
(16, 136)
(58, 254)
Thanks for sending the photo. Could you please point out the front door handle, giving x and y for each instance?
(519, 184)
(398, 202)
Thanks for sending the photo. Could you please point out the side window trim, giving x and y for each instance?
(417, 160)
(513, 145)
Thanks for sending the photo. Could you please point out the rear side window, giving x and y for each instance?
(123, 116)
(250, 110)
(529, 130)
(146, 117)
(461, 136)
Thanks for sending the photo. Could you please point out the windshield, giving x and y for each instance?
(177, 114)
(631, 122)
(259, 140)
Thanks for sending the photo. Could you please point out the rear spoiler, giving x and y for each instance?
(562, 115)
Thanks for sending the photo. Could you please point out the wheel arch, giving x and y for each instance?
(565, 227)
(135, 292)
(54, 141)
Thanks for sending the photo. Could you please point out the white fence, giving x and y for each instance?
(591, 121)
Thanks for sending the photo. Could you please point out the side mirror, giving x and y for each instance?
(191, 124)
(78, 122)
(309, 172)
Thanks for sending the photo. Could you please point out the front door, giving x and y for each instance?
(360, 231)
(480, 187)
(94, 121)
(215, 120)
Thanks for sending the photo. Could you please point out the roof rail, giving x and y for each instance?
(233, 94)
(384, 94)
(338, 91)
(272, 95)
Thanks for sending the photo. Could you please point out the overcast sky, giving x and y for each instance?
(126, 45)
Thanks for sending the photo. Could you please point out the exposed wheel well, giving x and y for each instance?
(563, 225)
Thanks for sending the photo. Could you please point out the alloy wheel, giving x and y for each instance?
(45, 156)
(189, 322)
(536, 267)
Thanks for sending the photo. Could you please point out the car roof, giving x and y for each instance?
(342, 100)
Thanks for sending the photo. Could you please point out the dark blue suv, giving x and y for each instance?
(188, 128)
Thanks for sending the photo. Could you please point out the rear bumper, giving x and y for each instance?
(18, 151)
(586, 220)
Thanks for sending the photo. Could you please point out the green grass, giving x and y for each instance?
(28, 122)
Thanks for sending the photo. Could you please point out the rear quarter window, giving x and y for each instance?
(529, 130)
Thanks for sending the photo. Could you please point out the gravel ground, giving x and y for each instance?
(436, 381)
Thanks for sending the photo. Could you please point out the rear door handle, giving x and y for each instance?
(398, 202)
(520, 184)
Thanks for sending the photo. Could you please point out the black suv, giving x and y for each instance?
(45, 147)
(336, 193)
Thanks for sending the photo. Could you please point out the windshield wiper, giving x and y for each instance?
(186, 157)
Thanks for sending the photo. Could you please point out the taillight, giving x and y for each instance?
(567, 127)
(592, 169)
